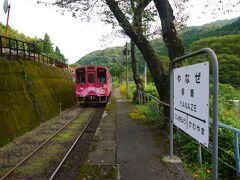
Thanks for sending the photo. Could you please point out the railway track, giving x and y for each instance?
(27, 167)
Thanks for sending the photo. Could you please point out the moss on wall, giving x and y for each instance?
(30, 92)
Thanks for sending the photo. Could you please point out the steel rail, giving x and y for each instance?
(39, 147)
(70, 150)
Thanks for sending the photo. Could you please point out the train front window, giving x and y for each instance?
(90, 78)
(80, 76)
(101, 75)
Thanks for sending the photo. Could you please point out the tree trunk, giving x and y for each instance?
(137, 24)
(151, 57)
(136, 76)
(170, 36)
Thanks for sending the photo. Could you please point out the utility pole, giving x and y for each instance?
(125, 60)
(121, 68)
(145, 75)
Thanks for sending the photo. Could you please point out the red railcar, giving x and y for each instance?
(93, 84)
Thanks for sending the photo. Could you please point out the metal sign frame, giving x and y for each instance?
(214, 60)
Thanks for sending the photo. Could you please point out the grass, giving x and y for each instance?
(137, 114)
(39, 164)
(103, 172)
(66, 136)
(147, 116)
(199, 173)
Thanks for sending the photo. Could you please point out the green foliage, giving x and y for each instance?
(59, 55)
(115, 81)
(218, 28)
(111, 57)
(47, 44)
(40, 46)
(228, 44)
(151, 89)
(227, 50)
(229, 69)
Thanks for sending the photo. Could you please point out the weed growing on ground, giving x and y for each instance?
(38, 164)
(138, 115)
(102, 172)
(66, 136)
(143, 113)
(199, 173)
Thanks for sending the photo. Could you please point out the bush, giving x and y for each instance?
(115, 81)
(122, 88)
(151, 89)
(148, 115)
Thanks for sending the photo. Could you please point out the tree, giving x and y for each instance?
(37, 45)
(136, 75)
(155, 65)
(59, 55)
(57, 50)
(47, 45)
(153, 60)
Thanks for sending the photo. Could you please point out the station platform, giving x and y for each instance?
(127, 149)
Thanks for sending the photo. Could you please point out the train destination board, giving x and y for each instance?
(191, 101)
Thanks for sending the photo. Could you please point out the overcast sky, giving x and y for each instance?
(75, 38)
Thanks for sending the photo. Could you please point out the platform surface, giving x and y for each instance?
(129, 146)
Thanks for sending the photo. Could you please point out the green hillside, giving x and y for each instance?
(111, 57)
(188, 35)
(222, 36)
(218, 28)
(227, 49)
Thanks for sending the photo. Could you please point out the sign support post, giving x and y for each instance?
(8, 12)
(214, 147)
(171, 111)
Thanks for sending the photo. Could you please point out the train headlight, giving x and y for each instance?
(103, 91)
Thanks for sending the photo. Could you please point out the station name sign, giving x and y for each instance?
(191, 101)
